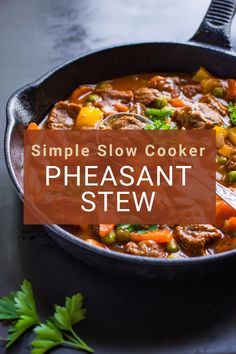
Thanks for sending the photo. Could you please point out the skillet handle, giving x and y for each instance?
(215, 27)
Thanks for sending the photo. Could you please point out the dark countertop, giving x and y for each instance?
(123, 316)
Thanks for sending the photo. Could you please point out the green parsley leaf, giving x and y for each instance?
(151, 228)
(8, 308)
(158, 125)
(130, 227)
(74, 308)
(48, 337)
(232, 113)
(26, 312)
(66, 317)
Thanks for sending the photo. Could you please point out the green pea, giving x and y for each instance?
(161, 102)
(232, 177)
(104, 85)
(123, 235)
(110, 238)
(94, 98)
(218, 92)
(172, 246)
(222, 160)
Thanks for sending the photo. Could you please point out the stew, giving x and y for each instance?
(171, 101)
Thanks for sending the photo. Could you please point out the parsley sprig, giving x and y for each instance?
(20, 308)
(8, 308)
(58, 330)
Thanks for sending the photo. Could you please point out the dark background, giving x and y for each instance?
(123, 316)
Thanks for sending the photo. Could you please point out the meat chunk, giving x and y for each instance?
(145, 248)
(214, 104)
(116, 95)
(166, 84)
(197, 116)
(194, 238)
(63, 115)
(146, 95)
(113, 100)
(191, 90)
(128, 123)
(231, 163)
(108, 107)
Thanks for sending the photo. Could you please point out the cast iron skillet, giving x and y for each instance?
(210, 47)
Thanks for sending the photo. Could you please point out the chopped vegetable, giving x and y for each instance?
(121, 107)
(202, 74)
(223, 211)
(93, 242)
(232, 113)
(220, 130)
(232, 135)
(94, 98)
(231, 88)
(220, 141)
(104, 85)
(154, 113)
(33, 126)
(230, 224)
(218, 92)
(88, 116)
(177, 102)
(161, 102)
(208, 85)
(225, 150)
(105, 229)
(110, 238)
(80, 93)
(122, 235)
(160, 236)
(172, 246)
(221, 160)
(232, 177)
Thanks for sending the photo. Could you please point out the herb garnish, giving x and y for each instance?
(20, 308)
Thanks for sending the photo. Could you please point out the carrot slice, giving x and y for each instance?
(33, 126)
(231, 87)
(230, 224)
(160, 236)
(177, 102)
(80, 93)
(105, 229)
(95, 243)
(223, 212)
